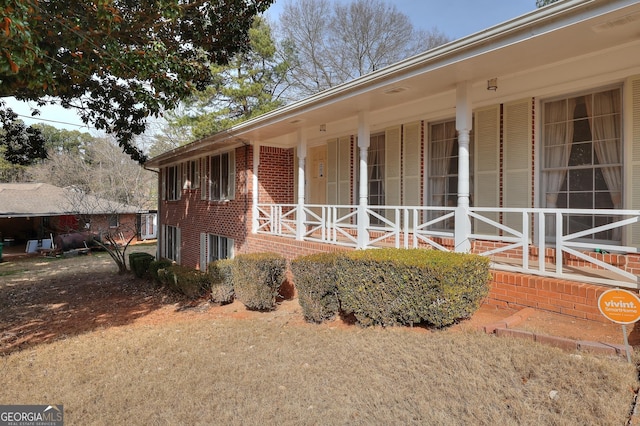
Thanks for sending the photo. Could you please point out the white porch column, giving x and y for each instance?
(463, 126)
(301, 217)
(254, 188)
(364, 136)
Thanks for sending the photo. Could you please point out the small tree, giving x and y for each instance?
(101, 218)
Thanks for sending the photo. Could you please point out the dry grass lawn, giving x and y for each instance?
(265, 368)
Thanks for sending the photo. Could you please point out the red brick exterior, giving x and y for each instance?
(231, 219)
(276, 184)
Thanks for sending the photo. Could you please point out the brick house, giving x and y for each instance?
(37, 211)
(520, 142)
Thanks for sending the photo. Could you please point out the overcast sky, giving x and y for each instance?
(454, 18)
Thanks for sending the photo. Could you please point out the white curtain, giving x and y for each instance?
(604, 118)
(443, 136)
(558, 136)
(604, 122)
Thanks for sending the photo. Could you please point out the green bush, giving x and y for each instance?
(139, 263)
(316, 279)
(397, 286)
(221, 279)
(155, 266)
(257, 278)
(190, 282)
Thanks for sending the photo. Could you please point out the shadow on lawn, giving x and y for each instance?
(49, 308)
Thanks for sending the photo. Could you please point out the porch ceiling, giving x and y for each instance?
(543, 48)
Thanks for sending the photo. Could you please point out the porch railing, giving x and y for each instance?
(562, 243)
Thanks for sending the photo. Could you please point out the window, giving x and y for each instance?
(443, 165)
(218, 247)
(171, 183)
(582, 158)
(113, 221)
(222, 177)
(170, 247)
(191, 174)
(376, 173)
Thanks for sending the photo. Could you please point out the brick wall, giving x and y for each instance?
(564, 297)
(229, 219)
(275, 176)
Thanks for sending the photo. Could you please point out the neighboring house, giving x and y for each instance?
(35, 211)
(520, 140)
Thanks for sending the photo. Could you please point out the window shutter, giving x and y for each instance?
(203, 251)
(230, 248)
(163, 178)
(163, 241)
(179, 181)
(232, 174)
(296, 167)
(344, 170)
(204, 178)
(185, 174)
(412, 155)
(633, 175)
(332, 171)
(178, 244)
(518, 186)
(486, 168)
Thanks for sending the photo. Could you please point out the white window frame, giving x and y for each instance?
(449, 195)
(170, 247)
(566, 189)
(171, 187)
(221, 176)
(214, 247)
(114, 220)
(191, 174)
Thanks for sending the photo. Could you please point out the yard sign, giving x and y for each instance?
(621, 306)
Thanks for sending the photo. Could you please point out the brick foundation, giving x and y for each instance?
(571, 298)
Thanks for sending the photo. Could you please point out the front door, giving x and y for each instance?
(317, 175)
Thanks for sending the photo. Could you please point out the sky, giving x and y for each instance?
(454, 18)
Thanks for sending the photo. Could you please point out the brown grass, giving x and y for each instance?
(197, 367)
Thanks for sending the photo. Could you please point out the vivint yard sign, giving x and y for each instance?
(621, 306)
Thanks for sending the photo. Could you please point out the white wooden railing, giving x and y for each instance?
(515, 239)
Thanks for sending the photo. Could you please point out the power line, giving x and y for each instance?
(52, 121)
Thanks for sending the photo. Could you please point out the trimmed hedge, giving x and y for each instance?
(400, 286)
(316, 279)
(257, 278)
(221, 279)
(139, 263)
(190, 282)
(155, 266)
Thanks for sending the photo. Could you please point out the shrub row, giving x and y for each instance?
(392, 286)
(254, 279)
